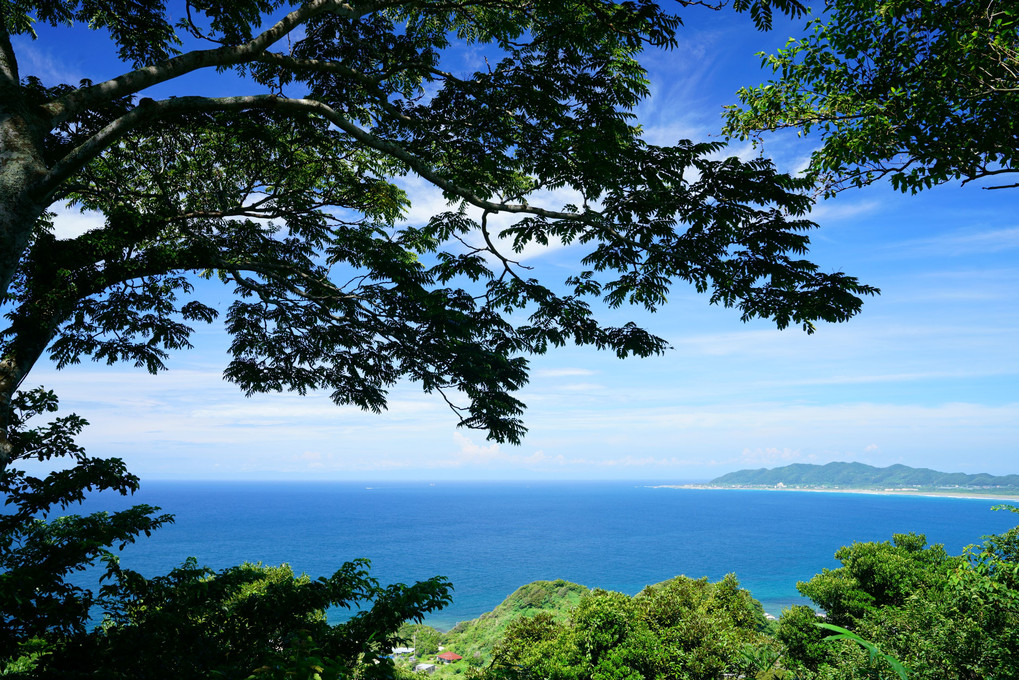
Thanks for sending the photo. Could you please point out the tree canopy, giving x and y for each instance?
(914, 91)
(941, 616)
(248, 621)
(289, 194)
(681, 628)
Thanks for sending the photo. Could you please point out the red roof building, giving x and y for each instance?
(450, 657)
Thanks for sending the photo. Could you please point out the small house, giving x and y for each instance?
(449, 657)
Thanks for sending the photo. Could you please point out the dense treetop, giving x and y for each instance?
(939, 615)
(289, 195)
(915, 91)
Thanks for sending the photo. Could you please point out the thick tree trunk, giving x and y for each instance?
(20, 170)
(22, 167)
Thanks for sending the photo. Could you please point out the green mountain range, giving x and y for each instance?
(861, 476)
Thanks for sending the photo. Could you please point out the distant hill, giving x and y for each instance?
(475, 640)
(861, 476)
(478, 637)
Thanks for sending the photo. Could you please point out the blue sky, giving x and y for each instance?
(925, 376)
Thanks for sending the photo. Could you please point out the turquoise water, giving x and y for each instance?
(490, 538)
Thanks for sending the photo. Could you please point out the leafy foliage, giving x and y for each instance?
(919, 92)
(38, 555)
(423, 638)
(872, 649)
(937, 615)
(682, 628)
(478, 638)
(289, 195)
(241, 622)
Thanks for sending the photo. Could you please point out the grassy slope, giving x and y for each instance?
(475, 639)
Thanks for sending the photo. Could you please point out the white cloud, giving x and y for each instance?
(188, 422)
(736, 342)
(871, 350)
(833, 211)
(960, 243)
(426, 200)
(583, 387)
(34, 59)
(286, 407)
(672, 131)
(469, 455)
(780, 431)
(562, 372)
(70, 222)
(966, 285)
(854, 379)
(770, 456)
(475, 453)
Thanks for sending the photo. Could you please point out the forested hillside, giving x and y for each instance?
(862, 476)
(554, 627)
(893, 609)
(475, 640)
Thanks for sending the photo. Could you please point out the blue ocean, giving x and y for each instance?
(491, 538)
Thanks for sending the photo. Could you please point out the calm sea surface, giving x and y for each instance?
(490, 538)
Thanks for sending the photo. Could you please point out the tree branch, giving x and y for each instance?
(507, 263)
(150, 110)
(74, 102)
(316, 65)
(983, 172)
(336, 68)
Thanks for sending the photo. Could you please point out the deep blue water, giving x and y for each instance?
(490, 538)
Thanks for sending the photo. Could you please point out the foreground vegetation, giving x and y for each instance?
(333, 295)
(941, 616)
(920, 611)
(193, 623)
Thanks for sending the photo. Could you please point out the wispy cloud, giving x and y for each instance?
(70, 222)
(986, 285)
(855, 379)
(832, 211)
(770, 456)
(51, 69)
(562, 372)
(960, 243)
(583, 387)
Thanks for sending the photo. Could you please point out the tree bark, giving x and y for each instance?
(21, 164)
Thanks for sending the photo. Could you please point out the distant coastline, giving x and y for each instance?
(932, 493)
(860, 478)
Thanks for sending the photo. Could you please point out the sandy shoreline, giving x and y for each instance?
(875, 492)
